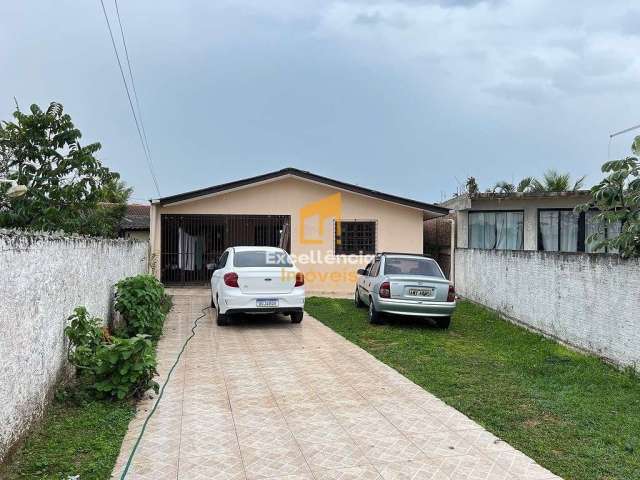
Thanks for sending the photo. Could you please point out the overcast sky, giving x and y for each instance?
(408, 97)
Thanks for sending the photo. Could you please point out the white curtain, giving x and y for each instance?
(568, 231)
(502, 231)
(496, 230)
(476, 224)
(489, 230)
(515, 230)
(549, 230)
(186, 250)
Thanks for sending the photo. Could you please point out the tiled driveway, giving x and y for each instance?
(265, 399)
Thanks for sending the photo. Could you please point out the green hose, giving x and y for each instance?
(155, 405)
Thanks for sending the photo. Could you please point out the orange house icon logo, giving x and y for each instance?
(327, 208)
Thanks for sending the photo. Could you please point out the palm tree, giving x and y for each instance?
(553, 181)
(525, 185)
(504, 187)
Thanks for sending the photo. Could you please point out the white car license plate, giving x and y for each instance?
(267, 302)
(420, 292)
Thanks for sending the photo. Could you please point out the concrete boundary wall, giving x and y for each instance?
(43, 277)
(591, 302)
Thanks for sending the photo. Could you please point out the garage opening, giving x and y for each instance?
(190, 244)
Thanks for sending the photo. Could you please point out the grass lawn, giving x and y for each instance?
(75, 438)
(572, 413)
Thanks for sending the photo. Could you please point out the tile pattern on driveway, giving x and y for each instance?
(265, 399)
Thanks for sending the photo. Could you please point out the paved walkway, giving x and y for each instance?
(265, 399)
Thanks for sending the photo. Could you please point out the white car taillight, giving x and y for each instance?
(231, 279)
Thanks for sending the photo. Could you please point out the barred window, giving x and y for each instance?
(355, 237)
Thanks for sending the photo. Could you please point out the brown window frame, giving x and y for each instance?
(349, 246)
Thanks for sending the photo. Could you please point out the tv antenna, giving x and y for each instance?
(626, 130)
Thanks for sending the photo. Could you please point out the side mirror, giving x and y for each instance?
(212, 266)
(361, 271)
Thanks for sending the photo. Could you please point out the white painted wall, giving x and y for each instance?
(42, 279)
(589, 301)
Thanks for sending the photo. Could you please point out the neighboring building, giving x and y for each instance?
(525, 221)
(437, 241)
(526, 256)
(135, 223)
(325, 224)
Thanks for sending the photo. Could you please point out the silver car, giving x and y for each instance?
(405, 284)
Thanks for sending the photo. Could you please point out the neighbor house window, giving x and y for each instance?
(355, 237)
(563, 230)
(560, 231)
(609, 232)
(496, 230)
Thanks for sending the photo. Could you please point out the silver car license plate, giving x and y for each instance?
(266, 302)
(420, 292)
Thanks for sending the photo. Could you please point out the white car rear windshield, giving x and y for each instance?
(411, 266)
(261, 258)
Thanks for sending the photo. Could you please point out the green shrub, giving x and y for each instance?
(125, 367)
(85, 334)
(143, 304)
(110, 366)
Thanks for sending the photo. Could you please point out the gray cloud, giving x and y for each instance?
(441, 89)
(376, 19)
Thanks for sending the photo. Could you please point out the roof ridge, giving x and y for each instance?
(307, 176)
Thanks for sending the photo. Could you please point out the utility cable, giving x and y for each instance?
(155, 405)
(133, 83)
(133, 111)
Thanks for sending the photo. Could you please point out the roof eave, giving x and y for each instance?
(425, 207)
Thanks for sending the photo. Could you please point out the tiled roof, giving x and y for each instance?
(136, 218)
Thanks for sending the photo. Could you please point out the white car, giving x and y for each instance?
(256, 280)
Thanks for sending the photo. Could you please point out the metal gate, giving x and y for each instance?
(191, 243)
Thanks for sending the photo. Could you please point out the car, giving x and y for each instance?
(256, 280)
(405, 284)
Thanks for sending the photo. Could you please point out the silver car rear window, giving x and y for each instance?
(411, 266)
(261, 258)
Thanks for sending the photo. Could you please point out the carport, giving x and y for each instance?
(191, 243)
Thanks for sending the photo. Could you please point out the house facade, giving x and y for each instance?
(543, 221)
(330, 227)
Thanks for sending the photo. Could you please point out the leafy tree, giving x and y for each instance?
(68, 188)
(112, 205)
(617, 197)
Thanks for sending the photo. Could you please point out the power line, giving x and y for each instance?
(133, 111)
(133, 83)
